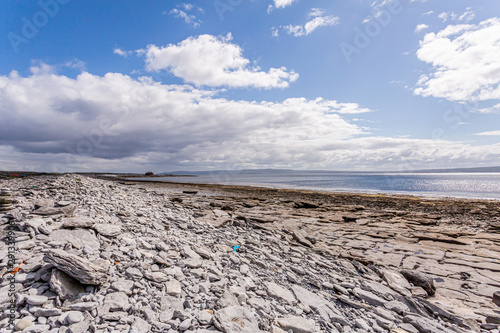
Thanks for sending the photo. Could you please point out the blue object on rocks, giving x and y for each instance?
(236, 248)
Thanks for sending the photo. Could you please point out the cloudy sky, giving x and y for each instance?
(234, 84)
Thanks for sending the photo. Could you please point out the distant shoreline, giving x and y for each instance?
(283, 186)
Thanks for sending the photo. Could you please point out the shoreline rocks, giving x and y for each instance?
(107, 257)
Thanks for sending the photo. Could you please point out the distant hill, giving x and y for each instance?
(281, 171)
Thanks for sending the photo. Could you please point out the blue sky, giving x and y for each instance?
(166, 85)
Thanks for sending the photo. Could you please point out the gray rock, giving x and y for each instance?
(185, 325)
(77, 222)
(204, 318)
(192, 262)
(236, 319)
(123, 286)
(397, 282)
(78, 238)
(425, 325)
(74, 317)
(47, 312)
(117, 301)
(398, 307)
(37, 329)
(47, 211)
(108, 230)
(83, 306)
(369, 297)
(156, 276)
(316, 302)
(64, 285)
(361, 323)
(173, 287)
(297, 324)
(140, 326)
(36, 299)
(134, 273)
(38, 203)
(83, 270)
(301, 239)
(279, 292)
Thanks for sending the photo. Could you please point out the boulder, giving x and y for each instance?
(82, 270)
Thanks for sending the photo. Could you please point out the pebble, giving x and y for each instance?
(22, 324)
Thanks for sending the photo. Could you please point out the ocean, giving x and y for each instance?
(463, 185)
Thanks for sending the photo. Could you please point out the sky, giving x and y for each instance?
(136, 86)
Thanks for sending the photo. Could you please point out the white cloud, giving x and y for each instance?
(465, 62)
(215, 62)
(282, 3)
(493, 109)
(279, 4)
(318, 20)
(315, 12)
(421, 27)
(275, 32)
(467, 16)
(114, 122)
(430, 12)
(491, 133)
(121, 52)
(190, 19)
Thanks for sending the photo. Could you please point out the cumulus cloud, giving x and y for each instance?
(317, 19)
(115, 122)
(465, 61)
(279, 4)
(214, 61)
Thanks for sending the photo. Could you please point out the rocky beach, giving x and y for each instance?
(105, 254)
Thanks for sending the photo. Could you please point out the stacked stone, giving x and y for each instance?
(6, 200)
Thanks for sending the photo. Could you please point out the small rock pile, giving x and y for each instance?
(6, 200)
(97, 256)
